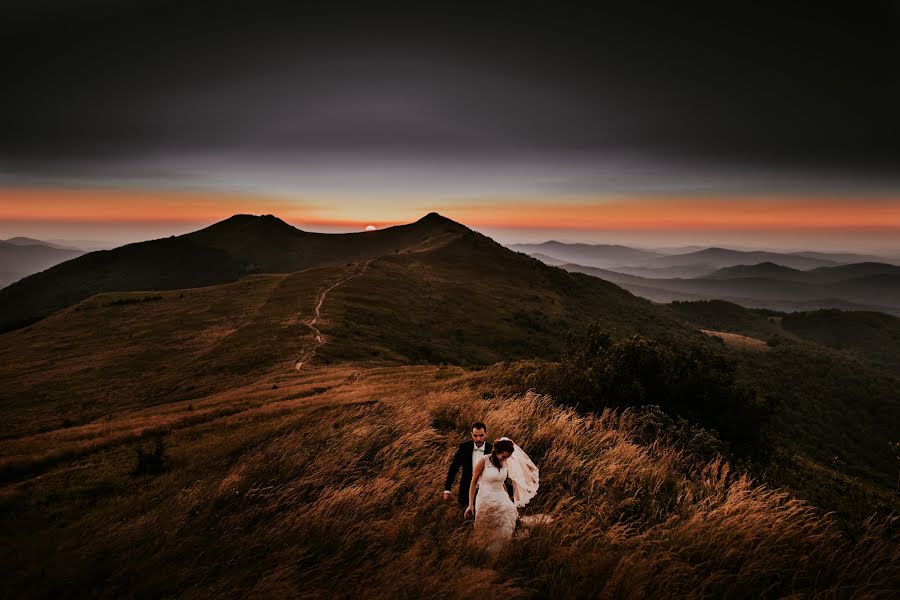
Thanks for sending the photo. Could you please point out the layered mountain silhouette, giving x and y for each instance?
(690, 264)
(820, 275)
(21, 257)
(864, 286)
(27, 241)
(593, 255)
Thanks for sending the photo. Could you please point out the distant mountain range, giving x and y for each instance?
(21, 257)
(27, 241)
(592, 255)
(864, 286)
(697, 263)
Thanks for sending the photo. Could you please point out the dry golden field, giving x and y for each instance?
(329, 484)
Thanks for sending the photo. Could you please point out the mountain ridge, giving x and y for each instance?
(222, 252)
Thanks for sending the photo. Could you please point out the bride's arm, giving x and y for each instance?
(476, 475)
(515, 491)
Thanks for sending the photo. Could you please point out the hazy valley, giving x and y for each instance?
(778, 281)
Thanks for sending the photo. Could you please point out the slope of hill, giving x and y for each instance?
(223, 252)
(454, 297)
(870, 336)
(472, 301)
(21, 257)
(245, 505)
(548, 260)
(719, 315)
(833, 375)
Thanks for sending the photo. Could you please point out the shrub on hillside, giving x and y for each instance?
(692, 382)
(153, 461)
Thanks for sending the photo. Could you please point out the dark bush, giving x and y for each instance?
(151, 462)
(692, 382)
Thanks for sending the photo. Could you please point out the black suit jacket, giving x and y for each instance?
(463, 459)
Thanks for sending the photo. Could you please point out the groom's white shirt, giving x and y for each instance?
(477, 454)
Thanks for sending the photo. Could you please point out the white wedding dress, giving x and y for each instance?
(495, 512)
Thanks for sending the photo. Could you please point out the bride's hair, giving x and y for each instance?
(500, 446)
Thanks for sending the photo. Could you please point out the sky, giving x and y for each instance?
(752, 126)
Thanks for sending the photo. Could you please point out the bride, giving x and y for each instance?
(495, 513)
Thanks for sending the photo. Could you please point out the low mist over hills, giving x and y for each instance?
(773, 287)
(594, 255)
(20, 257)
(694, 263)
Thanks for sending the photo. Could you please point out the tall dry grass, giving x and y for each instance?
(345, 502)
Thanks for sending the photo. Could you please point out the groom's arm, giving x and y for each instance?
(453, 470)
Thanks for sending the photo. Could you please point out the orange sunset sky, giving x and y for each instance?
(114, 216)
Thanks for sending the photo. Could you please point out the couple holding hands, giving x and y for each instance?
(497, 479)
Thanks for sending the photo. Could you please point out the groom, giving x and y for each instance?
(466, 457)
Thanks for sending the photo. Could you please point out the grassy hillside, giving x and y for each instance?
(866, 336)
(727, 316)
(338, 492)
(456, 297)
(164, 443)
(119, 351)
(836, 410)
(221, 253)
(837, 403)
(870, 336)
(467, 300)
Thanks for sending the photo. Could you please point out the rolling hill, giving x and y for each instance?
(869, 286)
(871, 336)
(450, 295)
(223, 252)
(595, 255)
(21, 257)
(819, 275)
(27, 241)
(723, 257)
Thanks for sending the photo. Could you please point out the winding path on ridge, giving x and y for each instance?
(309, 352)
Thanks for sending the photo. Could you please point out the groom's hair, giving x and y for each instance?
(479, 425)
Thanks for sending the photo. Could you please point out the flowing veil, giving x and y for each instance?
(524, 474)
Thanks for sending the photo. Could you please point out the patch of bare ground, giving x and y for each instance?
(741, 342)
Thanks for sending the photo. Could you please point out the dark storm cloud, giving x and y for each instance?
(131, 82)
